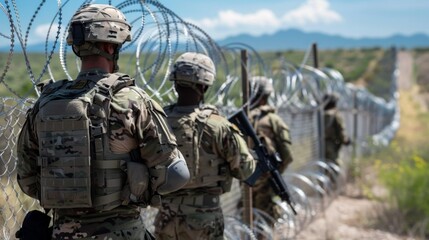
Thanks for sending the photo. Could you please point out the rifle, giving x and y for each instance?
(266, 162)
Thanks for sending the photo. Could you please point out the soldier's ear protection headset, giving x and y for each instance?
(78, 33)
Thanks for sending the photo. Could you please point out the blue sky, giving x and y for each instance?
(223, 18)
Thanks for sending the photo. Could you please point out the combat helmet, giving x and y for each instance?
(261, 85)
(98, 23)
(193, 68)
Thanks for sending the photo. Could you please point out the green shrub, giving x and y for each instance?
(405, 173)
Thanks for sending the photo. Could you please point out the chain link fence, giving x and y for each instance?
(159, 35)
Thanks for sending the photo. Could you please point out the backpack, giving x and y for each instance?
(78, 170)
(206, 168)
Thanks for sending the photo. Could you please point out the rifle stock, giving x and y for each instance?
(266, 162)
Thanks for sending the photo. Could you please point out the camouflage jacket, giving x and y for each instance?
(135, 122)
(273, 131)
(221, 141)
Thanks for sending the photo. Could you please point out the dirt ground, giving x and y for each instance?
(350, 214)
(347, 218)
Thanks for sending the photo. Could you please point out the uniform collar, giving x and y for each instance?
(186, 109)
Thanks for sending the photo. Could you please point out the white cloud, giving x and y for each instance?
(230, 22)
(232, 19)
(263, 21)
(312, 11)
(41, 31)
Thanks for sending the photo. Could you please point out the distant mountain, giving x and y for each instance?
(296, 39)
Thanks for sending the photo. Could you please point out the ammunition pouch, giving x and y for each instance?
(206, 200)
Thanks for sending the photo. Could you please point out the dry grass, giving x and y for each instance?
(422, 70)
(411, 126)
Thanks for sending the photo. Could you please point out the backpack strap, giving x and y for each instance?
(105, 88)
(102, 97)
(199, 118)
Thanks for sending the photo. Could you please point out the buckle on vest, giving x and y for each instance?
(96, 131)
(104, 89)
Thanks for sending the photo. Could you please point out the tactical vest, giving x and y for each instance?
(78, 170)
(206, 169)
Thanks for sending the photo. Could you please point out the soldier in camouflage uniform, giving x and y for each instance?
(274, 134)
(213, 148)
(97, 149)
(335, 136)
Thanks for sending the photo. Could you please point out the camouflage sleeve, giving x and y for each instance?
(340, 130)
(28, 151)
(282, 140)
(139, 122)
(230, 145)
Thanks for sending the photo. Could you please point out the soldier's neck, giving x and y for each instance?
(188, 100)
(96, 62)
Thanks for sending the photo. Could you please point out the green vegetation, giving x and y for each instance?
(404, 172)
(352, 63)
(403, 166)
(17, 81)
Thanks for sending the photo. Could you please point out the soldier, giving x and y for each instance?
(334, 129)
(213, 148)
(274, 134)
(97, 149)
